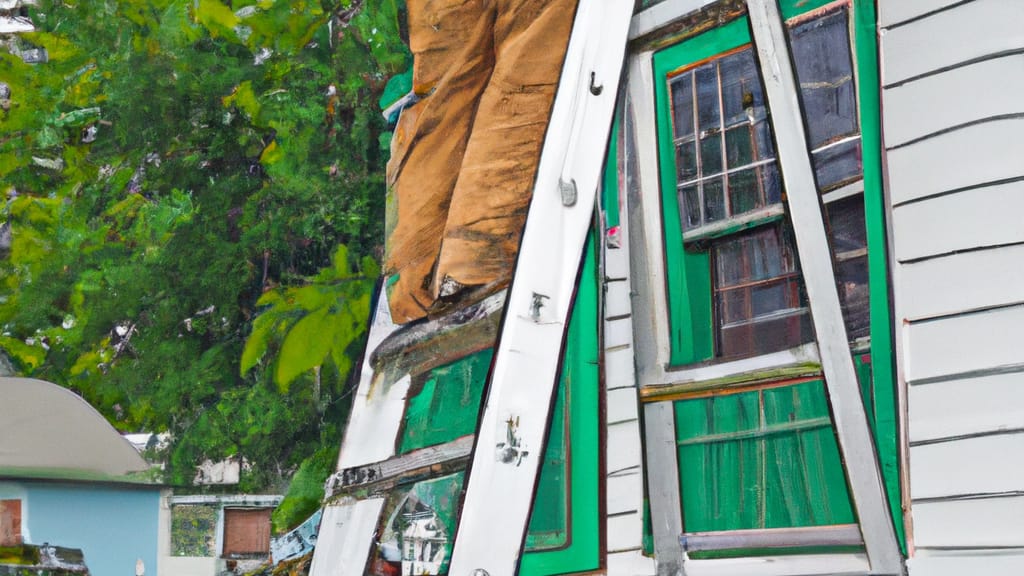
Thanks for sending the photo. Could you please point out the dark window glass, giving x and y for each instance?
(720, 126)
(759, 301)
(821, 53)
(849, 248)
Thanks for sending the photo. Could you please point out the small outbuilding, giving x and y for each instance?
(68, 478)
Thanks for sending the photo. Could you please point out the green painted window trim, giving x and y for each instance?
(580, 377)
(884, 405)
(688, 274)
(688, 280)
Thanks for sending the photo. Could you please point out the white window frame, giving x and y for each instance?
(831, 348)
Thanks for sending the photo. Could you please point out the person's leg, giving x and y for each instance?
(495, 183)
(452, 43)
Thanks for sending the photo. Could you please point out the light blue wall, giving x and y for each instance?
(114, 526)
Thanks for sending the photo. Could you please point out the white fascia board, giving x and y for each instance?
(510, 443)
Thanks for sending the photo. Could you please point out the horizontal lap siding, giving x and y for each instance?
(953, 119)
(970, 467)
(898, 11)
(977, 155)
(970, 31)
(988, 216)
(950, 285)
(966, 406)
(991, 522)
(958, 97)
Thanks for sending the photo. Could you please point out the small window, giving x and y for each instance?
(725, 156)
(246, 532)
(760, 306)
(10, 522)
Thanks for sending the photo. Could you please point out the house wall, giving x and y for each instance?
(113, 526)
(953, 115)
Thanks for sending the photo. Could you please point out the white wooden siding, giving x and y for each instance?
(950, 284)
(971, 156)
(952, 109)
(968, 406)
(988, 216)
(964, 344)
(957, 523)
(975, 563)
(960, 96)
(903, 10)
(972, 30)
(973, 466)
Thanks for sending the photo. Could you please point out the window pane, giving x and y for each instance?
(682, 105)
(772, 183)
(826, 82)
(714, 200)
(742, 97)
(739, 146)
(846, 224)
(760, 306)
(707, 97)
(744, 191)
(711, 155)
(686, 161)
(838, 165)
(854, 296)
(849, 249)
(689, 198)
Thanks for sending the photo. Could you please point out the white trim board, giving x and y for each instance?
(510, 442)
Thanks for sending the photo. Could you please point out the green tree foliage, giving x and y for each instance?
(179, 174)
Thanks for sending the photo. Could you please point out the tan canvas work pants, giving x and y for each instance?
(465, 156)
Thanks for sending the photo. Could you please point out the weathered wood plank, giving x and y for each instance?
(392, 469)
(955, 345)
(995, 522)
(959, 563)
(962, 282)
(989, 216)
(979, 154)
(663, 486)
(346, 532)
(959, 96)
(895, 11)
(983, 465)
(969, 31)
(962, 407)
(645, 231)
